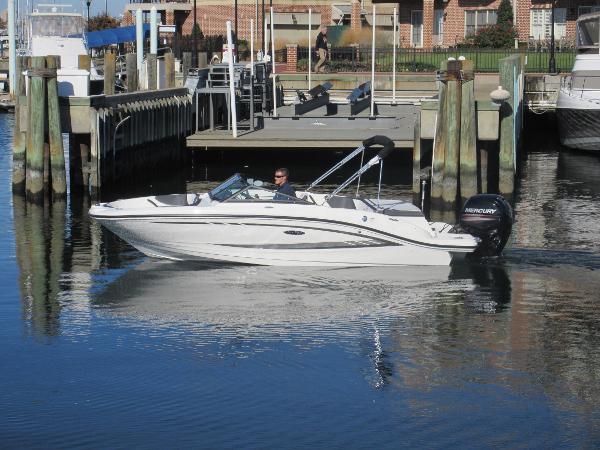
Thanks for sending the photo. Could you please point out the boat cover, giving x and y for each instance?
(114, 36)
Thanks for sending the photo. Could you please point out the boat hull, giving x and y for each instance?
(579, 128)
(277, 241)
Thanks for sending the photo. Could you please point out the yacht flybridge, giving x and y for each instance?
(240, 221)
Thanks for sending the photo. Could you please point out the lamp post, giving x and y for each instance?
(262, 24)
(88, 3)
(552, 62)
(235, 37)
(194, 40)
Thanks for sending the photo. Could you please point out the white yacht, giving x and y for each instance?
(54, 29)
(240, 221)
(578, 105)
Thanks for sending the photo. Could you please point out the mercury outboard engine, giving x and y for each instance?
(488, 217)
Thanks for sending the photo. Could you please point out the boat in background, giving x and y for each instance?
(53, 29)
(578, 104)
(242, 222)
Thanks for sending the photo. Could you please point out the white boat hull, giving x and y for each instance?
(284, 235)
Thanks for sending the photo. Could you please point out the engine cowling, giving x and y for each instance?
(488, 217)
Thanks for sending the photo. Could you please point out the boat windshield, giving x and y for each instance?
(588, 33)
(228, 187)
(259, 194)
(69, 25)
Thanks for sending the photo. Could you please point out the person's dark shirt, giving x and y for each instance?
(286, 189)
(321, 41)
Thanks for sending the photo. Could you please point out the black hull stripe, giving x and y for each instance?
(308, 219)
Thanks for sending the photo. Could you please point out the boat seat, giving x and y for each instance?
(341, 202)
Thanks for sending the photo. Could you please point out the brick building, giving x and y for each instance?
(422, 23)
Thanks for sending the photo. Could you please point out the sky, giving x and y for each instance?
(115, 7)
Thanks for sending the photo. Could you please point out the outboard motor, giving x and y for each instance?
(488, 217)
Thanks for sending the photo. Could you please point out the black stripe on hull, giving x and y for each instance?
(207, 219)
(579, 128)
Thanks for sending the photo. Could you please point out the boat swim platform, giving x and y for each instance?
(315, 130)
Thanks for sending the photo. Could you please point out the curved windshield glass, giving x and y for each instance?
(228, 188)
(259, 194)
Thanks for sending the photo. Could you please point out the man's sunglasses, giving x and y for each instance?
(279, 176)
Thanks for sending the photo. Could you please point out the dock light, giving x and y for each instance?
(499, 96)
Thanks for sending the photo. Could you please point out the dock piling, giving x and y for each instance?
(109, 73)
(132, 73)
(451, 160)
(151, 71)
(468, 135)
(57, 158)
(34, 180)
(19, 138)
(169, 70)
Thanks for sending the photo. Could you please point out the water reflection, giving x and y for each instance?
(277, 303)
(40, 242)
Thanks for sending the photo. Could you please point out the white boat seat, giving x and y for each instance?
(341, 202)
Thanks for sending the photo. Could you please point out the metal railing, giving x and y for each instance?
(358, 59)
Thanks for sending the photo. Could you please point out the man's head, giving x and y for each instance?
(324, 30)
(281, 176)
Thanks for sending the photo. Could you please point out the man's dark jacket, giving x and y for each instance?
(287, 189)
(321, 41)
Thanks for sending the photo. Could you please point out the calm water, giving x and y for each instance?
(102, 347)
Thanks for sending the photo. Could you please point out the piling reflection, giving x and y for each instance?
(40, 245)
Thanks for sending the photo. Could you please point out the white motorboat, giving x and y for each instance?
(578, 104)
(240, 221)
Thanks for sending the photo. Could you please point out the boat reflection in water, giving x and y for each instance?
(266, 300)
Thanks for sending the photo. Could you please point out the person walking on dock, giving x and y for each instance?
(321, 47)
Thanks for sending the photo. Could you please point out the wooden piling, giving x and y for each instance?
(468, 135)
(109, 73)
(451, 160)
(34, 180)
(186, 61)
(169, 70)
(151, 66)
(57, 157)
(94, 167)
(84, 62)
(509, 68)
(132, 73)
(439, 145)
(416, 177)
(19, 138)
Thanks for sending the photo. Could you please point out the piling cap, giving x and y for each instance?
(499, 95)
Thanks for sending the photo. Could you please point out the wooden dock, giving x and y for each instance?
(316, 130)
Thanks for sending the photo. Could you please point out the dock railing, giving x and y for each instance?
(358, 59)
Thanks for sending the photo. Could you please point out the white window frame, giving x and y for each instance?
(478, 26)
(542, 29)
(420, 45)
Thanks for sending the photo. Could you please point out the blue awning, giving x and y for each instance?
(113, 36)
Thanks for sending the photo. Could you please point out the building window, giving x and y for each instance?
(438, 27)
(416, 21)
(588, 9)
(541, 23)
(477, 19)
